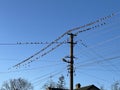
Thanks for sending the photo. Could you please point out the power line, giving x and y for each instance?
(103, 60)
(30, 43)
(101, 43)
(90, 28)
(17, 65)
(98, 44)
(31, 69)
(98, 69)
(49, 74)
(93, 76)
(92, 23)
(98, 55)
(71, 70)
(58, 44)
(71, 30)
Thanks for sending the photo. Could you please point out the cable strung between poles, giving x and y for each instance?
(71, 30)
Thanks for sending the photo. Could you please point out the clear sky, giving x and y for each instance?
(44, 21)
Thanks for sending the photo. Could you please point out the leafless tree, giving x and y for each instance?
(116, 85)
(61, 82)
(17, 84)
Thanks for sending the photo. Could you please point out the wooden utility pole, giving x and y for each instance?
(71, 61)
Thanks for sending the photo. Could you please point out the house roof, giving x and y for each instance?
(56, 89)
(90, 87)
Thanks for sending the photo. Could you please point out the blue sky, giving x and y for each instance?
(44, 21)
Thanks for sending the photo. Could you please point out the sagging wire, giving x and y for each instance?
(100, 61)
(17, 65)
(28, 43)
(69, 31)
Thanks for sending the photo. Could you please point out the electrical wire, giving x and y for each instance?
(32, 69)
(101, 43)
(93, 68)
(30, 43)
(17, 65)
(93, 76)
(48, 75)
(69, 31)
(90, 28)
(114, 67)
(98, 44)
(100, 61)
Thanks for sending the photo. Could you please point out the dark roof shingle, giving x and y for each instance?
(90, 87)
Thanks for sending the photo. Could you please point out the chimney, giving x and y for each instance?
(78, 86)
